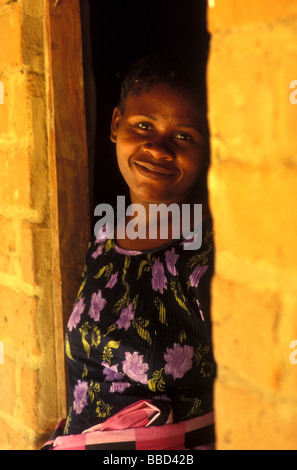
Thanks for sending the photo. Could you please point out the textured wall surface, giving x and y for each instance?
(28, 394)
(253, 177)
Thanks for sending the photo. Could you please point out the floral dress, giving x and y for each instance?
(140, 329)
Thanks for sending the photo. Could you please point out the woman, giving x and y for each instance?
(138, 339)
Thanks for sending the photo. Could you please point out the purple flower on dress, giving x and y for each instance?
(80, 396)
(197, 274)
(127, 315)
(119, 387)
(76, 314)
(112, 281)
(171, 258)
(123, 251)
(178, 360)
(111, 372)
(97, 304)
(159, 281)
(200, 311)
(98, 252)
(135, 368)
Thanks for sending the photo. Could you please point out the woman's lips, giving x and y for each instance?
(154, 171)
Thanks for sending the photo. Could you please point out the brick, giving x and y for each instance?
(27, 255)
(263, 281)
(8, 246)
(18, 319)
(252, 196)
(33, 43)
(251, 421)
(12, 439)
(254, 211)
(15, 177)
(35, 8)
(10, 36)
(8, 387)
(39, 158)
(245, 330)
(250, 72)
(29, 380)
(16, 112)
(4, 107)
(20, 118)
(233, 13)
(35, 244)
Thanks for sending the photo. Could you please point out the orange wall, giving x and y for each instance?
(253, 182)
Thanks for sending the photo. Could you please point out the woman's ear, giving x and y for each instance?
(115, 121)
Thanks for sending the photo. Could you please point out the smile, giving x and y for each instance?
(154, 171)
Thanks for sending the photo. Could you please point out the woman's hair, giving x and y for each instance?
(176, 70)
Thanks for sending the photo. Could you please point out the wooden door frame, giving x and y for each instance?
(68, 164)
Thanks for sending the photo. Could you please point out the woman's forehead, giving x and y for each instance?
(162, 100)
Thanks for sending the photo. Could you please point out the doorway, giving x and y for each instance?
(115, 34)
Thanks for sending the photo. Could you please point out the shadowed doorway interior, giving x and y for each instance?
(116, 34)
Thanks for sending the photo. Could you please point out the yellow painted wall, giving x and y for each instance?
(253, 191)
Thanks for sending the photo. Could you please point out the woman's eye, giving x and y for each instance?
(143, 126)
(184, 136)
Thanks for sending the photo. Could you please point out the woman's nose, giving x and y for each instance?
(160, 149)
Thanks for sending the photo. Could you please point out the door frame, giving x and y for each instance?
(68, 166)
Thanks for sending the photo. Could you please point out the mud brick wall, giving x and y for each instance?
(253, 192)
(28, 391)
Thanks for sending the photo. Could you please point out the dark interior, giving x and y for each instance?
(116, 34)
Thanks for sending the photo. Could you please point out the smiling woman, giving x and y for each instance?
(139, 334)
(161, 135)
(138, 340)
(129, 33)
(158, 157)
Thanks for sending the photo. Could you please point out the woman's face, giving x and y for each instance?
(159, 145)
